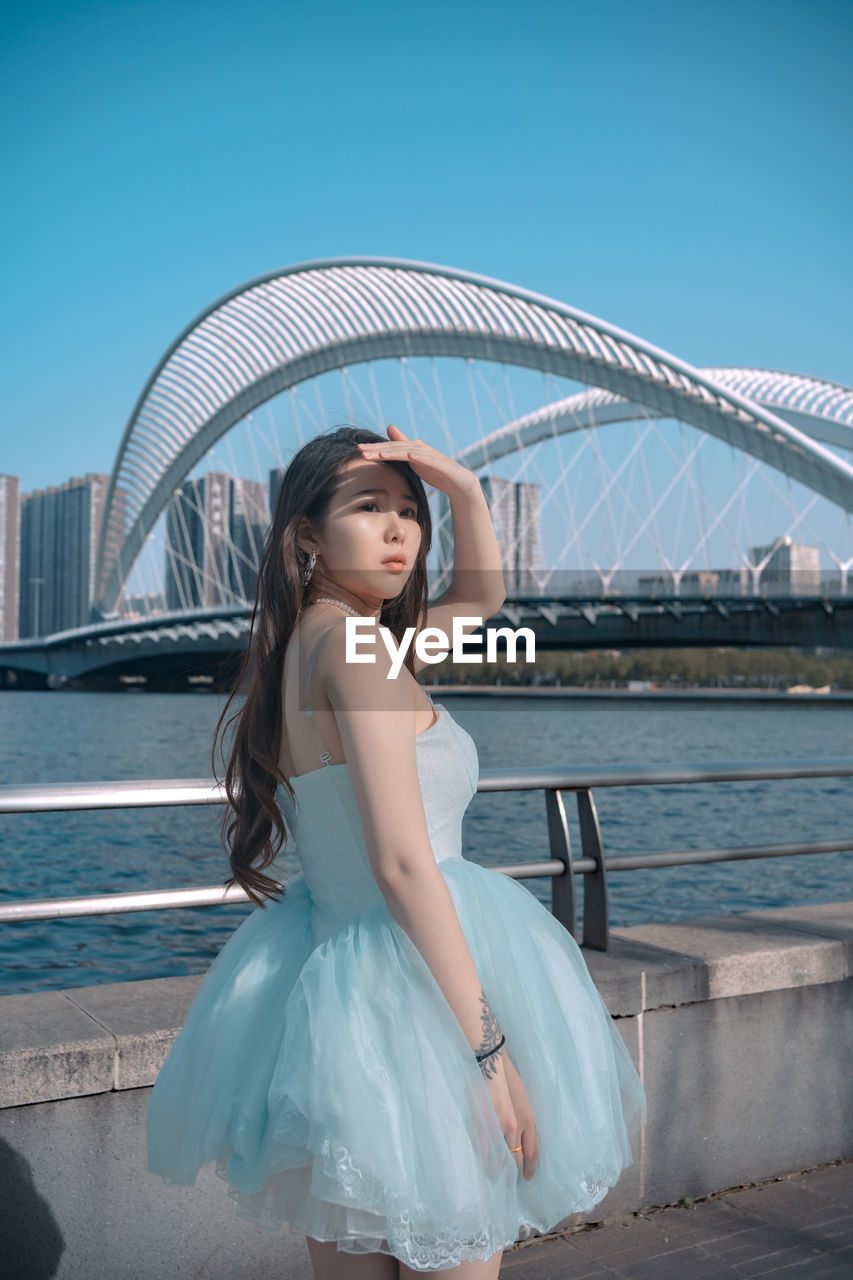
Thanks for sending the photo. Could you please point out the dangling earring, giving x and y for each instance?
(312, 560)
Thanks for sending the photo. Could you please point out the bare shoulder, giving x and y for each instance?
(357, 672)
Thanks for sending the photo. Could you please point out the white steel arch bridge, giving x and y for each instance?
(291, 326)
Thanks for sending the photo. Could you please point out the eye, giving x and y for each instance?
(412, 511)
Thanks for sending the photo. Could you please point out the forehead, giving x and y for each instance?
(360, 475)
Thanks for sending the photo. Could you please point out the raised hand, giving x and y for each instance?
(429, 463)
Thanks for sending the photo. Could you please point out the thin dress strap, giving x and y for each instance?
(325, 755)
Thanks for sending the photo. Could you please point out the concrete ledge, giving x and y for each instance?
(50, 1049)
(142, 1018)
(664, 965)
(88, 1040)
(83, 1040)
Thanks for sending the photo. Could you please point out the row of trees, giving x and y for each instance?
(666, 668)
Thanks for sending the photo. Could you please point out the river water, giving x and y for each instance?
(73, 736)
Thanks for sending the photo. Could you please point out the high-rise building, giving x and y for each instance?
(113, 546)
(528, 523)
(792, 567)
(60, 526)
(215, 527)
(442, 539)
(500, 496)
(198, 526)
(250, 516)
(516, 511)
(10, 556)
(182, 575)
(276, 476)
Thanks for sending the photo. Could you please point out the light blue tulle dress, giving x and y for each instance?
(322, 1069)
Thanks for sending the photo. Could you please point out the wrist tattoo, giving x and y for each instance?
(491, 1040)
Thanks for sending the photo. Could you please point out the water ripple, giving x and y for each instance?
(65, 737)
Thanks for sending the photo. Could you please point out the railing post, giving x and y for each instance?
(595, 908)
(559, 840)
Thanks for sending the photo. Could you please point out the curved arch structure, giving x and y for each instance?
(286, 327)
(822, 410)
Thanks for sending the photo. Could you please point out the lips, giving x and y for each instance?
(396, 560)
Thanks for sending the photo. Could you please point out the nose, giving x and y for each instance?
(396, 525)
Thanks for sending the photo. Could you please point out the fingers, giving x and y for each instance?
(528, 1157)
(512, 1143)
(525, 1126)
(531, 1153)
(397, 443)
(369, 448)
(410, 450)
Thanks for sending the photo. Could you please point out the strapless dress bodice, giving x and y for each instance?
(325, 823)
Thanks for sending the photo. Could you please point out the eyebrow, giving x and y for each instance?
(378, 489)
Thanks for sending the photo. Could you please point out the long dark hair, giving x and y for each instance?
(253, 828)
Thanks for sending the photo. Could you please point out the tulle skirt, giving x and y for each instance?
(337, 1094)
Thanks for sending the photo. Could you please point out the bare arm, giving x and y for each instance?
(420, 902)
(477, 573)
(376, 722)
(477, 589)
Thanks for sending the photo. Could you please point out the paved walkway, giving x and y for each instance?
(797, 1226)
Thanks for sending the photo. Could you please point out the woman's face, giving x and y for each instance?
(372, 517)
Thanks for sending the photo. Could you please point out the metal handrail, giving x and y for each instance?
(562, 866)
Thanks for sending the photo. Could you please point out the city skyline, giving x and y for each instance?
(216, 525)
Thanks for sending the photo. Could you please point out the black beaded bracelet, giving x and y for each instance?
(481, 1056)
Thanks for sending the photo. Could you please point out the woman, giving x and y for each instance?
(346, 1059)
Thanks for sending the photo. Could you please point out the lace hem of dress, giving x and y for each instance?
(400, 1231)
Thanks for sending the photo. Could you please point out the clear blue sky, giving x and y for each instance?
(682, 170)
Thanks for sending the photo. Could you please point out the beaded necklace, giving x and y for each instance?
(329, 600)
